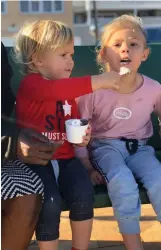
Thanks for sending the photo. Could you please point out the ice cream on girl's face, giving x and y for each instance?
(124, 70)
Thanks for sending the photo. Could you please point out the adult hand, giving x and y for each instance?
(35, 148)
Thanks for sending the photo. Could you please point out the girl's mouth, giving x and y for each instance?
(125, 61)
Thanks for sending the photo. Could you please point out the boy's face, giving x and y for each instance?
(58, 64)
(126, 48)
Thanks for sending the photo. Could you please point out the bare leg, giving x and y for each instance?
(19, 218)
(48, 245)
(132, 241)
(81, 233)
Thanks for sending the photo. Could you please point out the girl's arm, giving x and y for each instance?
(157, 108)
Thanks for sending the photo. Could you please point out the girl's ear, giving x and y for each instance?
(103, 55)
(145, 54)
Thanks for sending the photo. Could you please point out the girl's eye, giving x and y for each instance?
(63, 55)
(133, 44)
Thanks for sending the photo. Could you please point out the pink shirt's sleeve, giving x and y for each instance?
(85, 107)
(157, 108)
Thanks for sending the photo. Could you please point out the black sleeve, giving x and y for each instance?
(9, 136)
(9, 131)
(7, 96)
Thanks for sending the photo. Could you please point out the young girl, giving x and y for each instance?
(121, 126)
(45, 100)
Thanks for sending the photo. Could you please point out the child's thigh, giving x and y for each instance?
(108, 160)
(51, 190)
(74, 182)
(145, 166)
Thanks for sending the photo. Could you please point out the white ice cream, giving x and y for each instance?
(124, 70)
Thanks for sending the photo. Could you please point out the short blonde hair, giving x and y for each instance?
(37, 37)
(122, 22)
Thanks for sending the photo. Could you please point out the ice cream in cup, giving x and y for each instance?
(76, 129)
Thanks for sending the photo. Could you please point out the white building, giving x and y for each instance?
(83, 12)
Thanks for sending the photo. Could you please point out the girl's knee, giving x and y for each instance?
(123, 185)
(154, 188)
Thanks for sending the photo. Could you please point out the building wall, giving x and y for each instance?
(86, 37)
(13, 19)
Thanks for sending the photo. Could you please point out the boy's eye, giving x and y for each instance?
(63, 55)
(117, 44)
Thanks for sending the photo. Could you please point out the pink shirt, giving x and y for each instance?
(116, 115)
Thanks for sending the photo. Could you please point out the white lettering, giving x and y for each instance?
(122, 113)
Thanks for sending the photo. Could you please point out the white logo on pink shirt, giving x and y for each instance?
(122, 113)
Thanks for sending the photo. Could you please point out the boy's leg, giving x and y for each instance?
(147, 170)
(108, 156)
(76, 188)
(47, 230)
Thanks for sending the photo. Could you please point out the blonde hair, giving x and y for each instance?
(124, 21)
(35, 38)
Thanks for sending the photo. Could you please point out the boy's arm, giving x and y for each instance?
(37, 88)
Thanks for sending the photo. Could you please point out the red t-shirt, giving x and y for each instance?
(45, 105)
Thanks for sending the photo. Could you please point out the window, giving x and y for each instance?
(39, 6)
(153, 35)
(149, 13)
(80, 18)
(3, 7)
(58, 5)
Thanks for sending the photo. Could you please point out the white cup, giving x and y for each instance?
(75, 131)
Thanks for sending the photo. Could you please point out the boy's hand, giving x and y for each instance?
(96, 177)
(108, 80)
(111, 80)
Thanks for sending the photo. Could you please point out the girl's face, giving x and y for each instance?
(125, 48)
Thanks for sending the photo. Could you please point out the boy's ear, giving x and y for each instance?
(37, 60)
(145, 54)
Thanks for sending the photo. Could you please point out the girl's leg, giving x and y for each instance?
(147, 170)
(132, 241)
(77, 190)
(109, 157)
(47, 229)
(19, 218)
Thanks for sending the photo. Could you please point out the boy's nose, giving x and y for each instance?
(71, 61)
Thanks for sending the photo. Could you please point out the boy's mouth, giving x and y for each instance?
(125, 61)
(68, 70)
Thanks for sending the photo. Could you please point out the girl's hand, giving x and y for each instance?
(96, 177)
(86, 138)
